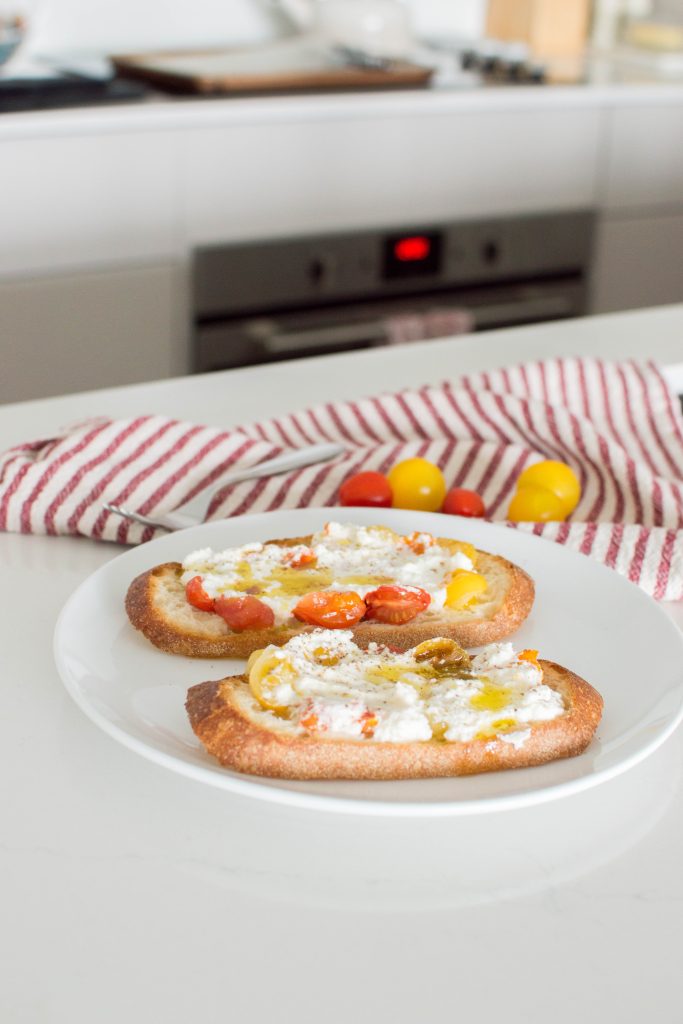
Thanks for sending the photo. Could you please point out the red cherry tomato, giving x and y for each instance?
(461, 502)
(242, 613)
(197, 596)
(396, 604)
(366, 489)
(330, 608)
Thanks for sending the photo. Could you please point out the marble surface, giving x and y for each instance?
(131, 893)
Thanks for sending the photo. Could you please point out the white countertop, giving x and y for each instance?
(160, 113)
(131, 893)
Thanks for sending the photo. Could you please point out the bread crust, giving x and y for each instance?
(204, 637)
(242, 743)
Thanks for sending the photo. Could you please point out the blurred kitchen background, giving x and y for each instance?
(196, 186)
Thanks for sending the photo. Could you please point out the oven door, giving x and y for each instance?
(223, 343)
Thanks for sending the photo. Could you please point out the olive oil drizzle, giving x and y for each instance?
(492, 697)
(289, 581)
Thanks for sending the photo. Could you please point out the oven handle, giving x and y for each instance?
(268, 335)
(541, 307)
(274, 341)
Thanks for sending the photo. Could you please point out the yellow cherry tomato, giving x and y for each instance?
(557, 477)
(463, 588)
(252, 659)
(266, 673)
(535, 505)
(418, 484)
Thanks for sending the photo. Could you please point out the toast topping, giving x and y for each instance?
(346, 558)
(325, 685)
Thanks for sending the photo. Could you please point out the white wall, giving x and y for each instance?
(117, 25)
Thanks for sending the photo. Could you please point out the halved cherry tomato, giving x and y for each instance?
(266, 674)
(197, 596)
(333, 609)
(298, 559)
(366, 489)
(461, 502)
(396, 604)
(242, 613)
(463, 588)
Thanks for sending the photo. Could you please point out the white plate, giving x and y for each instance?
(585, 617)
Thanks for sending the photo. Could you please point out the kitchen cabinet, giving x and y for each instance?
(107, 206)
(639, 243)
(644, 158)
(82, 200)
(638, 262)
(254, 181)
(74, 332)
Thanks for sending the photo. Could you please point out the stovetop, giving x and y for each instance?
(22, 94)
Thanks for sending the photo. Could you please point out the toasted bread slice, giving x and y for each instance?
(235, 729)
(156, 605)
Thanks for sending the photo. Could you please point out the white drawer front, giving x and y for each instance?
(645, 157)
(258, 181)
(638, 262)
(70, 202)
(72, 332)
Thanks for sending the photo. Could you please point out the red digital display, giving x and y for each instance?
(412, 249)
(413, 255)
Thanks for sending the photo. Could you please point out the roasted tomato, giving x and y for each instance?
(330, 608)
(197, 596)
(461, 502)
(366, 489)
(443, 653)
(396, 604)
(299, 559)
(242, 613)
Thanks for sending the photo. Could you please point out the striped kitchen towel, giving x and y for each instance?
(618, 425)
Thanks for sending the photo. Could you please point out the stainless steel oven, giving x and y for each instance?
(256, 302)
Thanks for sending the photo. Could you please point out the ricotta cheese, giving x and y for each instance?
(345, 557)
(322, 683)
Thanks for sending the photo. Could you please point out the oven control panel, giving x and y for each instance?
(239, 278)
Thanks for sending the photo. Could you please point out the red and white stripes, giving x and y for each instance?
(618, 425)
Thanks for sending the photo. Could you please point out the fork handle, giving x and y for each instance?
(167, 520)
(177, 521)
(283, 463)
(194, 511)
(197, 507)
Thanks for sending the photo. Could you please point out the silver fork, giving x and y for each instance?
(194, 511)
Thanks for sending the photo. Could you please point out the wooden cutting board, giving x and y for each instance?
(280, 67)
